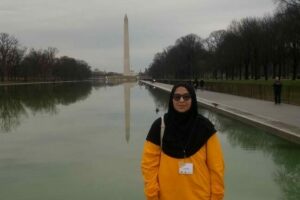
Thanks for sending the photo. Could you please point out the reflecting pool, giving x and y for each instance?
(84, 141)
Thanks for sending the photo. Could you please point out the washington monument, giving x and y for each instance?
(126, 48)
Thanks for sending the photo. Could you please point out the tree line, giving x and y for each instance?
(251, 48)
(19, 64)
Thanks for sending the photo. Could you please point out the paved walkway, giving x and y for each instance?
(282, 120)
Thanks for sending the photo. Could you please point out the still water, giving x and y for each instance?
(84, 141)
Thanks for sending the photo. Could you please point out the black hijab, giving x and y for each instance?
(185, 133)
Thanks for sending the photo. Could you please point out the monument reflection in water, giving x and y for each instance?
(127, 110)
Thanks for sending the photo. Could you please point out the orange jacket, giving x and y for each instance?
(163, 181)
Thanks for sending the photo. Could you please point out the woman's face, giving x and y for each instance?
(182, 101)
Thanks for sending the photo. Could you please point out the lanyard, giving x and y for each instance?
(162, 130)
(184, 147)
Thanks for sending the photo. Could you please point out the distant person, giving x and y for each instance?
(202, 84)
(277, 90)
(182, 157)
(195, 84)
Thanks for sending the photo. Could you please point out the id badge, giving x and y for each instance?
(185, 168)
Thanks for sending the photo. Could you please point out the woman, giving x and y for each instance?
(188, 165)
(277, 90)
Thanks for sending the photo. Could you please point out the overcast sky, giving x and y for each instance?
(92, 30)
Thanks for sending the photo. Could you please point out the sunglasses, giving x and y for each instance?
(185, 97)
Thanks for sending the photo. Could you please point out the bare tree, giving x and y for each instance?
(48, 61)
(192, 50)
(214, 39)
(285, 3)
(9, 49)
